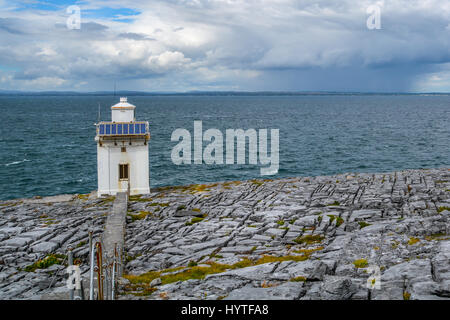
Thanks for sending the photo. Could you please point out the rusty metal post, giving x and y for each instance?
(106, 282)
(99, 271)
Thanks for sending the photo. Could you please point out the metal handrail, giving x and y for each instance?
(107, 271)
(99, 270)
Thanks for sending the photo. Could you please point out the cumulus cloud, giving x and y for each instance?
(228, 45)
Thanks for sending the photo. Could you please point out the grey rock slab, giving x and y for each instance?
(155, 282)
(224, 285)
(345, 270)
(441, 261)
(296, 209)
(229, 260)
(51, 199)
(187, 213)
(339, 243)
(259, 272)
(259, 237)
(11, 230)
(275, 232)
(63, 237)
(46, 247)
(310, 269)
(291, 235)
(36, 234)
(273, 215)
(174, 250)
(248, 242)
(6, 249)
(249, 231)
(60, 293)
(413, 271)
(364, 214)
(307, 221)
(285, 291)
(338, 288)
(17, 242)
(236, 249)
(204, 245)
(390, 290)
(427, 290)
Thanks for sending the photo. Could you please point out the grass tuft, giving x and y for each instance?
(360, 263)
(46, 262)
(196, 220)
(140, 216)
(298, 279)
(335, 203)
(200, 272)
(309, 239)
(413, 241)
(363, 224)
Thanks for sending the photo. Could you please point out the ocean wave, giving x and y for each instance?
(16, 162)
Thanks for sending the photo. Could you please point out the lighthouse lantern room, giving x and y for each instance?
(122, 152)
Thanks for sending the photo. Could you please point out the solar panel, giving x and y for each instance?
(122, 128)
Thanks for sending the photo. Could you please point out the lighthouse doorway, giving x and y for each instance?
(124, 180)
(123, 171)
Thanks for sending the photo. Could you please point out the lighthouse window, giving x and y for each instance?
(102, 129)
(119, 129)
(136, 128)
(125, 129)
(131, 129)
(123, 171)
(143, 128)
(113, 129)
(108, 129)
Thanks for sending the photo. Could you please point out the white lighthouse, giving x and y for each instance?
(122, 152)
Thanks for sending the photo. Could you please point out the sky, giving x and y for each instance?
(226, 45)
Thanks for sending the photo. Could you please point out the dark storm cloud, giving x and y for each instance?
(135, 36)
(235, 45)
(11, 26)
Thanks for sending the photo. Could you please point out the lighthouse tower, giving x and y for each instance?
(122, 152)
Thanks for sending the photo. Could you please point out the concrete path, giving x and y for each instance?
(115, 226)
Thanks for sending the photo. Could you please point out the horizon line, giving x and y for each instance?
(217, 92)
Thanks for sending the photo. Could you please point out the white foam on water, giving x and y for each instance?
(16, 162)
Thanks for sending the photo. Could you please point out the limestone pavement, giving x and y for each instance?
(325, 237)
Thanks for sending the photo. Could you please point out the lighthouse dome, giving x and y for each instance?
(123, 111)
(123, 104)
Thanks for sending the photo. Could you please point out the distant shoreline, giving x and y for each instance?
(217, 93)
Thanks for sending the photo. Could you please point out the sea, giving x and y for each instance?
(47, 143)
